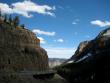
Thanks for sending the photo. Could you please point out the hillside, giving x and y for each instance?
(90, 63)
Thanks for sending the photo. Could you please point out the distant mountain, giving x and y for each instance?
(55, 62)
(91, 61)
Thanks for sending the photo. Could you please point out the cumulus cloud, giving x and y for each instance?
(100, 23)
(25, 8)
(60, 52)
(4, 8)
(38, 31)
(42, 41)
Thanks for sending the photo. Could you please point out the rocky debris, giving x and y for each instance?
(91, 63)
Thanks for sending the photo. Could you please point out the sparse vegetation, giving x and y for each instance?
(12, 21)
(0, 13)
(16, 21)
(5, 18)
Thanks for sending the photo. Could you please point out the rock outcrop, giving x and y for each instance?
(90, 63)
(22, 60)
(80, 49)
(20, 50)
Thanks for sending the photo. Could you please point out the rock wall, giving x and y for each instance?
(20, 50)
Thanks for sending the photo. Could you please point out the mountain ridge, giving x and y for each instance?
(91, 63)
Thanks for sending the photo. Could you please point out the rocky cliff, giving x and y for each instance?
(22, 60)
(20, 50)
(90, 63)
(79, 50)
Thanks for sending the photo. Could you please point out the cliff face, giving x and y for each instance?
(91, 63)
(22, 60)
(20, 50)
(80, 49)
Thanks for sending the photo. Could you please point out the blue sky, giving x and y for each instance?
(61, 24)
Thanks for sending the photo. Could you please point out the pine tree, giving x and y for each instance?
(5, 18)
(23, 26)
(16, 21)
(0, 13)
(10, 19)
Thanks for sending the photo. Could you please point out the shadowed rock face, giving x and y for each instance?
(91, 63)
(20, 50)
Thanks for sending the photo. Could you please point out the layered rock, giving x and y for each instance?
(20, 50)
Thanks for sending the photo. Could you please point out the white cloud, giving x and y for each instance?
(75, 21)
(60, 40)
(100, 23)
(42, 41)
(4, 8)
(26, 7)
(38, 31)
(60, 52)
